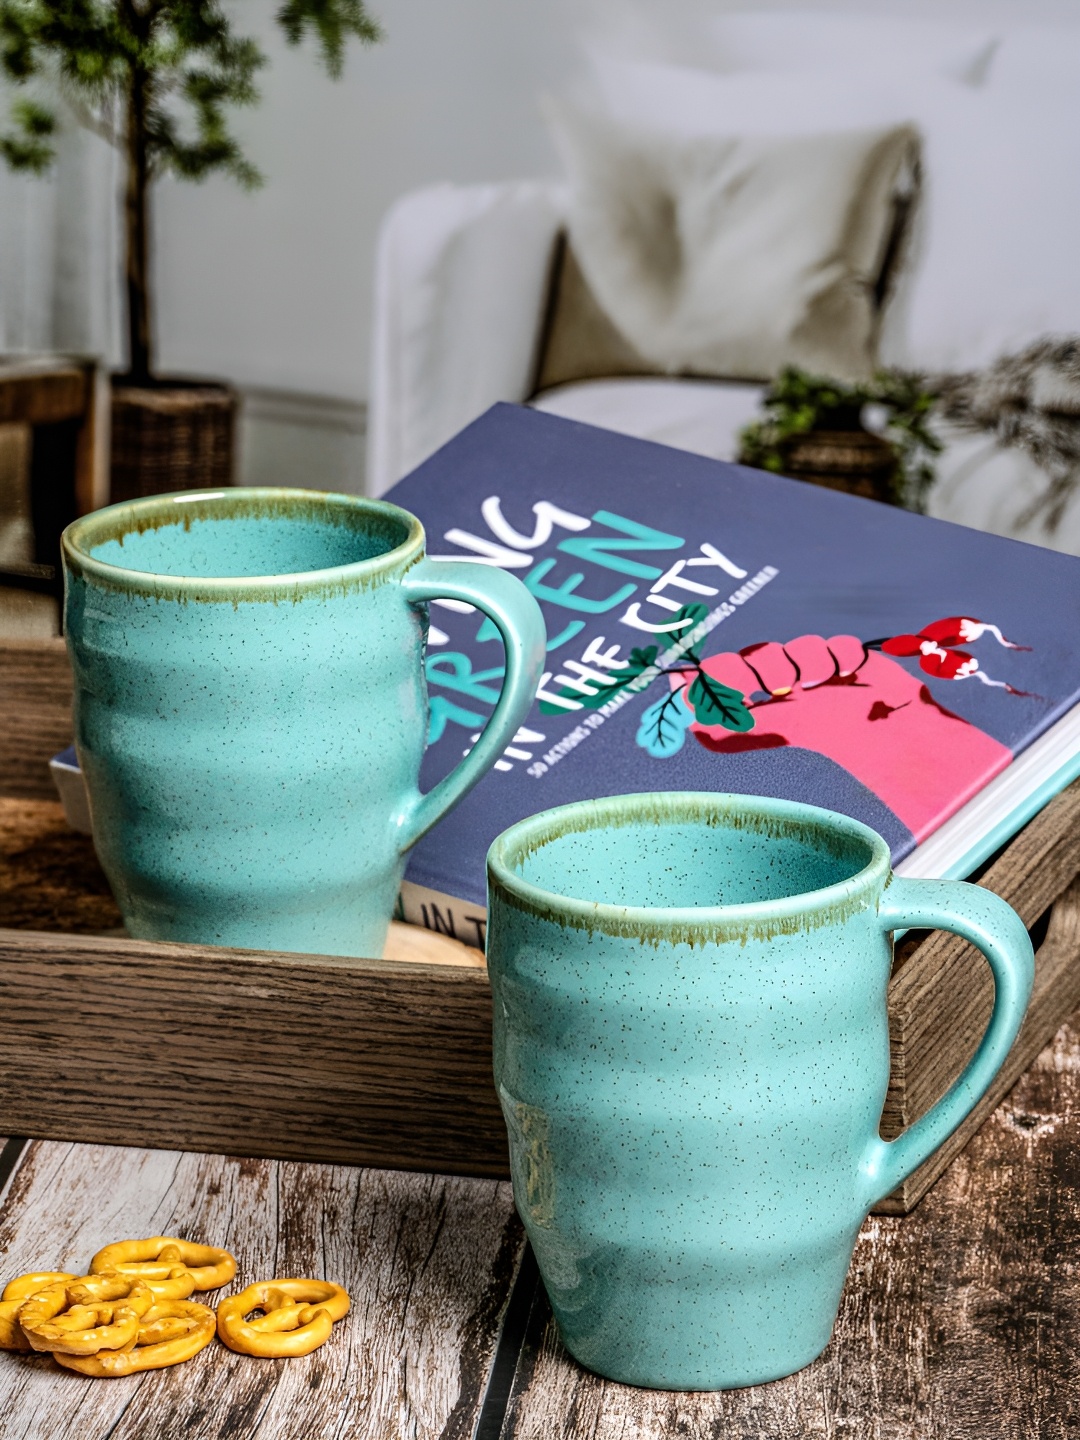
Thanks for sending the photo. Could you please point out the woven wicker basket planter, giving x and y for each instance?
(174, 436)
(852, 460)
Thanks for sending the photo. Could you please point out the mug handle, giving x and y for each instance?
(505, 600)
(995, 928)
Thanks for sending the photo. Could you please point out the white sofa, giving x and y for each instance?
(463, 271)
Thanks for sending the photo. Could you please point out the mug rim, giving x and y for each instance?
(113, 522)
(692, 924)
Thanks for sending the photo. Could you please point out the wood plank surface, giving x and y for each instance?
(960, 1321)
(35, 715)
(50, 877)
(248, 1052)
(427, 1260)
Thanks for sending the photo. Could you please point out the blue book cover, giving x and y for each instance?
(712, 627)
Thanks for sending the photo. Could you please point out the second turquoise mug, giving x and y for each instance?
(251, 712)
(692, 1052)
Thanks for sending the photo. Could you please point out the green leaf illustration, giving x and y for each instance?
(663, 726)
(640, 660)
(694, 613)
(717, 704)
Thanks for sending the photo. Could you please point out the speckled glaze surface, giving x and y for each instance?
(250, 709)
(692, 1053)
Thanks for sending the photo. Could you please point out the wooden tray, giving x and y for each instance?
(378, 1062)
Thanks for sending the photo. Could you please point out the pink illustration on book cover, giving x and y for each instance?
(849, 700)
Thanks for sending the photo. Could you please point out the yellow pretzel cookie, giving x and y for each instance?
(15, 1292)
(168, 1282)
(98, 1312)
(23, 1286)
(297, 1317)
(171, 1332)
(157, 1259)
(11, 1332)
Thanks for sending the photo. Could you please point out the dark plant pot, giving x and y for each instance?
(853, 460)
(171, 435)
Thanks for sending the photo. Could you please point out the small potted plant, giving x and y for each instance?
(813, 430)
(156, 78)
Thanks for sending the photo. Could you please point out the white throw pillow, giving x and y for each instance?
(861, 45)
(735, 254)
(991, 264)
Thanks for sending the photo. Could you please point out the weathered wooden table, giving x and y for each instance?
(960, 1321)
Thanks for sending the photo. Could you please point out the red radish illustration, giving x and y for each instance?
(936, 645)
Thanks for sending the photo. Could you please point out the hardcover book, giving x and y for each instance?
(712, 627)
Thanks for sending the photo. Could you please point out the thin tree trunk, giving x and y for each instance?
(140, 356)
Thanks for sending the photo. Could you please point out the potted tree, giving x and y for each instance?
(156, 77)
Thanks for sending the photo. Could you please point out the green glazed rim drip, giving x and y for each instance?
(698, 924)
(182, 507)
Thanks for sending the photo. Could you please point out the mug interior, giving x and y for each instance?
(673, 860)
(243, 534)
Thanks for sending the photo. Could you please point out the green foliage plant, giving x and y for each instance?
(156, 78)
(798, 403)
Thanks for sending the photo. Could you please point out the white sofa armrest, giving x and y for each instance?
(460, 280)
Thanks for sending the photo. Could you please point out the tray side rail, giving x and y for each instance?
(252, 1053)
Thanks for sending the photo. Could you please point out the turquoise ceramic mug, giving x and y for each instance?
(692, 1054)
(251, 713)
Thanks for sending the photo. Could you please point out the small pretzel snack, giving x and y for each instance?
(297, 1317)
(169, 1333)
(98, 1312)
(15, 1292)
(158, 1260)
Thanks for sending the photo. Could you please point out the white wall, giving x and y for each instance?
(272, 289)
